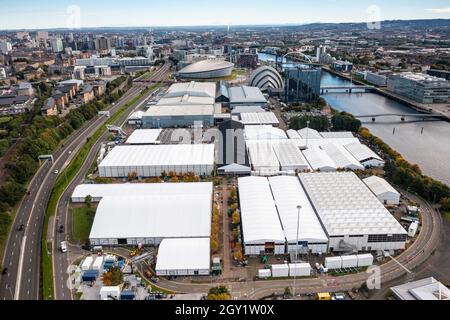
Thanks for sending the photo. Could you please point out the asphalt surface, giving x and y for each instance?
(61, 261)
(416, 255)
(23, 250)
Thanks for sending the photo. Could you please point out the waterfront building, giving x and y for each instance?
(420, 87)
(302, 83)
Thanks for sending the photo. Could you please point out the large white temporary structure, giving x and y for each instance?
(353, 218)
(184, 257)
(365, 155)
(261, 228)
(260, 118)
(98, 191)
(144, 136)
(341, 157)
(383, 190)
(319, 160)
(130, 220)
(152, 160)
(288, 194)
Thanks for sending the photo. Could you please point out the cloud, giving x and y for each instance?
(440, 10)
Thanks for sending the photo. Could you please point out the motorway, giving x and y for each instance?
(23, 249)
(60, 260)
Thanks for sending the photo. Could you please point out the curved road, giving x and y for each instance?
(23, 249)
(415, 255)
(60, 260)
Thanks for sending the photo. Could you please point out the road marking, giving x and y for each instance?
(19, 271)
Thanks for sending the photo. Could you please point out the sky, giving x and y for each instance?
(32, 14)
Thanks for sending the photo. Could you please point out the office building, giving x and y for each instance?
(420, 87)
(303, 83)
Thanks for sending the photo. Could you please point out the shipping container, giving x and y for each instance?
(365, 260)
(300, 270)
(349, 261)
(86, 265)
(280, 270)
(97, 263)
(110, 293)
(333, 263)
(264, 273)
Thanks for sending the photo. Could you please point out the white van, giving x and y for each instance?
(63, 246)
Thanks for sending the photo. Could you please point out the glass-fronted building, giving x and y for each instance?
(302, 83)
(420, 87)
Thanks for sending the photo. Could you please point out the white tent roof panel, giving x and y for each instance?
(260, 222)
(288, 194)
(346, 206)
(184, 254)
(140, 189)
(144, 136)
(158, 216)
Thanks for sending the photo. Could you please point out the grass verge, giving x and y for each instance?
(82, 219)
(61, 184)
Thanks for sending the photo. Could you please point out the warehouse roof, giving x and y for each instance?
(180, 154)
(259, 118)
(425, 289)
(288, 194)
(318, 159)
(180, 110)
(246, 94)
(346, 206)
(341, 157)
(379, 185)
(247, 109)
(156, 216)
(260, 222)
(362, 152)
(184, 254)
(264, 132)
(140, 189)
(144, 136)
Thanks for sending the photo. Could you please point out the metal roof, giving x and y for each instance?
(180, 110)
(346, 206)
(246, 94)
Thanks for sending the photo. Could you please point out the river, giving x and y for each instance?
(426, 143)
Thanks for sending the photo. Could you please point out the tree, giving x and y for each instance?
(238, 256)
(132, 176)
(319, 123)
(236, 218)
(445, 204)
(287, 292)
(113, 277)
(88, 201)
(11, 193)
(219, 293)
(214, 245)
(345, 121)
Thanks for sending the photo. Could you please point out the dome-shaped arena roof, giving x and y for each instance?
(266, 77)
(207, 69)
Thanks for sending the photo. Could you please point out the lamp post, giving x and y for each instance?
(299, 208)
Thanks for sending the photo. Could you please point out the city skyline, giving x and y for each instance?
(138, 13)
